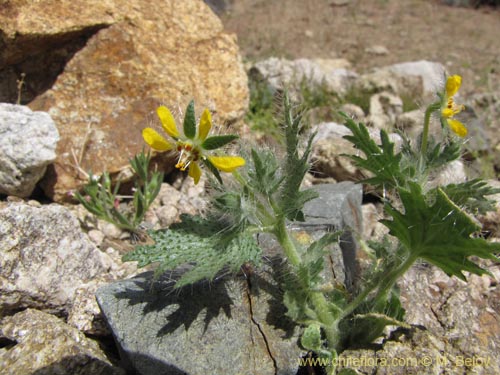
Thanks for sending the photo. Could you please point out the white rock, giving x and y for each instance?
(28, 142)
(168, 195)
(377, 50)
(44, 258)
(384, 108)
(356, 112)
(372, 229)
(109, 230)
(431, 73)
(452, 173)
(333, 74)
(167, 215)
(96, 236)
(420, 79)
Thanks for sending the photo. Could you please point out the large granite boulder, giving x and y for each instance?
(48, 263)
(28, 143)
(233, 325)
(111, 64)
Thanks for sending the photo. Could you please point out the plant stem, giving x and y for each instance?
(382, 286)
(425, 134)
(286, 242)
(318, 300)
(327, 319)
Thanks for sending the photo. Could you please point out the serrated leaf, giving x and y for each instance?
(472, 195)
(200, 244)
(292, 199)
(440, 233)
(190, 121)
(218, 141)
(440, 154)
(380, 160)
(313, 258)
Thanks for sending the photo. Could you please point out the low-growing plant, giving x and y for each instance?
(101, 196)
(425, 222)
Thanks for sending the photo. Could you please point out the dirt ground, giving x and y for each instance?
(373, 33)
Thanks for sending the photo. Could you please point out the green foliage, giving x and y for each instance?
(426, 222)
(472, 195)
(303, 280)
(439, 154)
(218, 141)
(212, 169)
(292, 199)
(190, 121)
(201, 245)
(101, 198)
(438, 232)
(380, 160)
(311, 340)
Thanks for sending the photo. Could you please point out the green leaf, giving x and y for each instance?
(190, 121)
(311, 338)
(440, 154)
(313, 259)
(218, 141)
(292, 199)
(440, 233)
(201, 245)
(264, 176)
(380, 160)
(472, 195)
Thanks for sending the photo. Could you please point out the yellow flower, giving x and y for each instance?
(449, 108)
(192, 144)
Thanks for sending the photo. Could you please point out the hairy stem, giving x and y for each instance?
(425, 134)
(318, 300)
(383, 286)
(286, 242)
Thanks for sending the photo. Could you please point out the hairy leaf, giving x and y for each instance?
(218, 141)
(199, 244)
(292, 199)
(440, 233)
(380, 160)
(472, 195)
(190, 121)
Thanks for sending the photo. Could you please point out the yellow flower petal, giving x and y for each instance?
(453, 85)
(457, 127)
(447, 112)
(227, 163)
(195, 172)
(167, 122)
(155, 140)
(205, 125)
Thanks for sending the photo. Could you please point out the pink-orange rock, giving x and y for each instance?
(142, 54)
